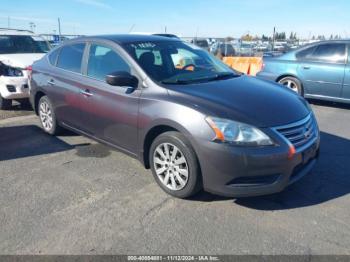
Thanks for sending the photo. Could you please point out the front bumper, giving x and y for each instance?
(14, 87)
(244, 172)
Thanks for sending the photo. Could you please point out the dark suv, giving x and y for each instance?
(191, 119)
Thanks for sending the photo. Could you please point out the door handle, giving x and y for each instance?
(86, 92)
(306, 67)
(51, 82)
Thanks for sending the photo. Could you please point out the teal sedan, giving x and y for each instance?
(320, 70)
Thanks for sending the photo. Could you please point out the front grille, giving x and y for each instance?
(301, 132)
(11, 88)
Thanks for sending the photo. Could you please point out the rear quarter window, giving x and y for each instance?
(306, 54)
(53, 57)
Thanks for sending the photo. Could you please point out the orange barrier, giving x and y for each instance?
(247, 65)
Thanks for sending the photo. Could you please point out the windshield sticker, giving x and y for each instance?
(144, 45)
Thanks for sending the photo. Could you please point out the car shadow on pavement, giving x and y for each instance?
(30, 140)
(329, 104)
(329, 180)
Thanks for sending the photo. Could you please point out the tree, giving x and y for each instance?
(247, 37)
(291, 36)
(280, 36)
(264, 38)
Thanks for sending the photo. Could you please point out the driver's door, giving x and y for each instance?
(113, 110)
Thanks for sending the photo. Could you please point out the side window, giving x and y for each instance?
(70, 57)
(332, 53)
(103, 61)
(306, 54)
(53, 57)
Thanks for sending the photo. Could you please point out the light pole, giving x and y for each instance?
(32, 26)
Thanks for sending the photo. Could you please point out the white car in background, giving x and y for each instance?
(18, 50)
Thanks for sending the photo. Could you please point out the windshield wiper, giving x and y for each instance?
(175, 82)
(211, 78)
(224, 76)
(187, 81)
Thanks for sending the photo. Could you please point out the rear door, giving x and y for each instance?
(63, 85)
(112, 111)
(346, 85)
(321, 69)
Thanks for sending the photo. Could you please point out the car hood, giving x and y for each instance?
(244, 99)
(20, 60)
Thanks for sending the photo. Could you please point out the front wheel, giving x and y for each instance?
(292, 83)
(47, 116)
(174, 165)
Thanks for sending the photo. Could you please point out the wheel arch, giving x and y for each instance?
(37, 97)
(287, 75)
(156, 130)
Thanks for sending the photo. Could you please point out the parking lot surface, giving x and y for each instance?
(70, 195)
(17, 109)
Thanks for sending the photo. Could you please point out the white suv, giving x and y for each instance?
(18, 50)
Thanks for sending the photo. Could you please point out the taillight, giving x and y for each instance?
(29, 71)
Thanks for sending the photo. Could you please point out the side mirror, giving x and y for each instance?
(122, 78)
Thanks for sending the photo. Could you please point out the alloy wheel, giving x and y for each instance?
(46, 115)
(291, 84)
(171, 166)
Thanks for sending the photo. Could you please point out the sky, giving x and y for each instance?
(186, 18)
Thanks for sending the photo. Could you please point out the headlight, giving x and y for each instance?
(14, 72)
(10, 71)
(238, 133)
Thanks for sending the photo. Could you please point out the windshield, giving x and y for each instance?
(178, 62)
(22, 44)
(227, 47)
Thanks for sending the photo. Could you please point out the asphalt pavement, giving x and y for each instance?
(70, 195)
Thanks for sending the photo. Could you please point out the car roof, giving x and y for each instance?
(7, 31)
(129, 38)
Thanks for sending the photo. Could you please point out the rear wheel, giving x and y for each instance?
(47, 116)
(292, 83)
(174, 165)
(5, 103)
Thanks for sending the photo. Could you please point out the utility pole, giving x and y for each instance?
(273, 38)
(59, 29)
(32, 26)
(131, 28)
(165, 29)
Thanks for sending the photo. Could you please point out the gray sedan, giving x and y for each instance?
(191, 119)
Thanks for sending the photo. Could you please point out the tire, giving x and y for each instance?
(25, 103)
(5, 104)
(293, 83)
(47, 116)
(184, 161)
